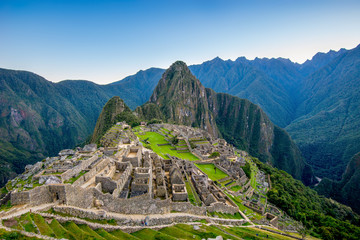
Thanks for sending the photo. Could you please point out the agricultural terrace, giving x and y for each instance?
(153, 139)
(213, 172)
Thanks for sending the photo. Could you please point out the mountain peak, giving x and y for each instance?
(178, 94)
(177, 80)
(178, 66)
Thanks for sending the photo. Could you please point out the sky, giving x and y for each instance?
(105, 41)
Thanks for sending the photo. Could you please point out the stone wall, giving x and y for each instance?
(95, 170)
(107, 184)
(179, 192)
(135, 161)
(77, 169)
(20, 198)
(187, 207)
(79, 197)
(137, 205)
(40, 195)
(37, 196)
(131, 223)
(221, 207)
(58, 193)
(124, 176)
(6, 198)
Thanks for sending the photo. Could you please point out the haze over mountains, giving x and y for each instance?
(316, 102)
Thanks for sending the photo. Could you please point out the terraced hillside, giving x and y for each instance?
(38, 226)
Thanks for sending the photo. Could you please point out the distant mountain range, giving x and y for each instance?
(317, 102)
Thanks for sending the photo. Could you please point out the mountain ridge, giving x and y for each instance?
(15, 155)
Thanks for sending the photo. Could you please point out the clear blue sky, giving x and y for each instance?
(104, 41)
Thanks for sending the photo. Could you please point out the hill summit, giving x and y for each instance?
(180, 98)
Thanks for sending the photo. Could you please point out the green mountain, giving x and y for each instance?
(180, 98)
(136, 89)
(328, 118)
(39, 118)
(346, 191)
(36, 120)
(316, 101)
(325, 217)
(115, 110)
(251, 80)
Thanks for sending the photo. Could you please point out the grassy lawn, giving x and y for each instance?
(194, 199)
(105, 234)
(73, 179)
(254, 233)
(155, 138)
(235, 188)
(209, 169)
(225, 215)
(225, 182)
(59, 230)
(27, 223)
(123, 235)
(42, 225)
(148, 234)
(15, 235)
(76, 231)
(254, 170)
(242, 208)
(89, 231)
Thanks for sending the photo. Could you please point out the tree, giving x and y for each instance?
(174, 140)
(214, 155)
(302, 230)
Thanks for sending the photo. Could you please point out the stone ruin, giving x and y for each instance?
(123, 178)
(232, 168)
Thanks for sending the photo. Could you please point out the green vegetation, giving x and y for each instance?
(89, 231)
(15, 235)
(347, 190)
(60, 231)
(230, 115)
(193, 197)
(242, 208)
(101, 232)
(122, 235)
(149, 234)
(213, 172)
(326, 219)
(156, 138)
(214, 155)
(72, 231)
(115, 110)
(101, 221)
(235, 188)
(254, 233)
(73, 179)
(247, 169)
(225, 215)
(6, 206)
(177, 233)
(42, 225)
(27, 222)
